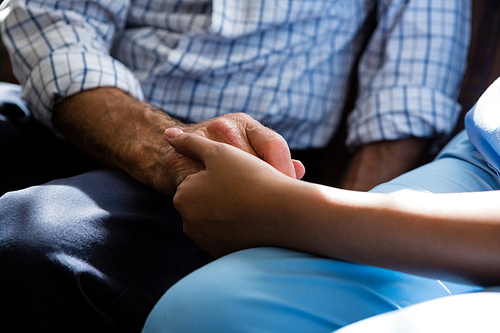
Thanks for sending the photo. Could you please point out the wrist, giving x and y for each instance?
(290, 208)
(149, 158)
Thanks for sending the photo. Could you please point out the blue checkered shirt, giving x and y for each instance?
(287, 63)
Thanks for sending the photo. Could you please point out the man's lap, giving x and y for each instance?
(94, 251)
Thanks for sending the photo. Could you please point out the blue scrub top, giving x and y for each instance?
(482, 123)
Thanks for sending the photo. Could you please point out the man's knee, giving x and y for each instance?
(40, 233)
(94, 251)
(48, 216)
(41, 277)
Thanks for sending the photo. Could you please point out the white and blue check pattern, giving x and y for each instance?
(287, 63)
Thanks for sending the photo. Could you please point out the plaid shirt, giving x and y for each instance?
(287, 63)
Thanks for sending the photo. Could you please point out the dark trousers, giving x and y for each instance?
(89, 253)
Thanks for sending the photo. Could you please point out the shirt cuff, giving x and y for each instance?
(74, 72)
(401, 112)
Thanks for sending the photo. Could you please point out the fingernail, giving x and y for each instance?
(172, 132)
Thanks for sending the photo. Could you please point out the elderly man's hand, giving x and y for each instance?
(120, 131)
(241, 131)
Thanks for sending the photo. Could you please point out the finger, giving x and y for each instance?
(272, 148)
(300, 170)
(190, 144)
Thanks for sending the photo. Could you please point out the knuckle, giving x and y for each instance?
(226, 131)
(202, 131)
(243, 117)
(276, 143)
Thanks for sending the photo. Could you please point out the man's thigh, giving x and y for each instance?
(92, 252)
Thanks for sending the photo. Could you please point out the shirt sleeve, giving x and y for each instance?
(411, 71)
(60, 48)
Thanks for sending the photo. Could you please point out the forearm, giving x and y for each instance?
(117, 130)
(120, 131)
(382, 161)
(441, 236)
(239, 202)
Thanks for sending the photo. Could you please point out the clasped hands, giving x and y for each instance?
(229, 203)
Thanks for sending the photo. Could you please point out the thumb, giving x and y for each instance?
(190, 144)
(272, 148)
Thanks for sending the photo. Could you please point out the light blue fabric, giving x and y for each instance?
(278, 290)
(483, 125)
(459, 167)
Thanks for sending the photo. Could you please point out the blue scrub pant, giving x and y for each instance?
(279, 290)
